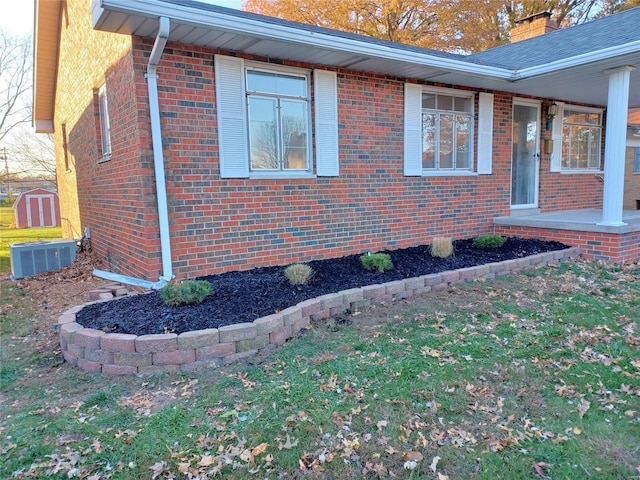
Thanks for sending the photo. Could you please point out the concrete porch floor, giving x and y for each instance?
(585, 220)
(579, 228)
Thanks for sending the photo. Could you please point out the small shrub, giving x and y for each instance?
(489, 241)
(377, 261)
(441, 247)
(188, 292)
(298, 273)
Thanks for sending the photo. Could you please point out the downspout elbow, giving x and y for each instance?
(164, 27)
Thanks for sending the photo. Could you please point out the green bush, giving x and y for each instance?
(298, 273)
(188, 292)
(441, 247)
(377, 261)
(489, 241)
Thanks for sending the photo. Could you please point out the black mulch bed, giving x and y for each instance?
(248, 295)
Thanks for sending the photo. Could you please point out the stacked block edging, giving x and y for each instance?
(120, 354)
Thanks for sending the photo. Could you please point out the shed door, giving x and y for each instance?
(40, 211)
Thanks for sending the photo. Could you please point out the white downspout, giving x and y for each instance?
(158, 166)
(158, 156)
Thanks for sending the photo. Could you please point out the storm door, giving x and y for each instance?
(525, 162)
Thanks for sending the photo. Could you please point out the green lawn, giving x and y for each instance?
(10, 235)
(529, 376)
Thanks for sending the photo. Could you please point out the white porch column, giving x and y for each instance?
(614, 149)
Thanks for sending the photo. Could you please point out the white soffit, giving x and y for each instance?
(576, 79)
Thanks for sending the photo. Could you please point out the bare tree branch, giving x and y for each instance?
(28, 154)
(15, 82)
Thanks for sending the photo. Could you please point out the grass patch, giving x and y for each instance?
(10, 235)
(522, 376)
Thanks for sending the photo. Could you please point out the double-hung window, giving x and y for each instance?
(581, 138)
(105, 128)
(447, 130)
(439, 129)
(278, 117)
(264, 123)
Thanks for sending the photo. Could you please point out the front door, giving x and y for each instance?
(525, 162)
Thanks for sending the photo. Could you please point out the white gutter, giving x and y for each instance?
(577, 60)
(158, 166)
(273, 31)
(158, 156)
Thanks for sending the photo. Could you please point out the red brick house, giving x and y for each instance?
(194, 139)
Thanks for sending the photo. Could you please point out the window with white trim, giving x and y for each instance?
(636, 162)
(447, 130)
(581, 138)
(264, 120)
(105, 128)
(279, 121)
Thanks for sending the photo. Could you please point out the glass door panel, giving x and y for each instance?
(526, 157)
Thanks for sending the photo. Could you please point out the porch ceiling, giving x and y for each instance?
(578, 79)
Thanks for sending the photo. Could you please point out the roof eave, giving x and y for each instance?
(45, 62)
(291, 34)
(578, 60)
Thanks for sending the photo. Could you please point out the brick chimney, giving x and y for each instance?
(533, 26)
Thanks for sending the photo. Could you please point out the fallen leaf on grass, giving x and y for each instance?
(288, 445)
(97, 446)
(413, 456)
(331, 385)
(538, 468)
(259, 450)
(583, 406)
(434, 464)
(206, 460)
(157, 469)
(430, 352)
(410, 465)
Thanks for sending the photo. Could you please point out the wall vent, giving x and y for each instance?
(31, 258)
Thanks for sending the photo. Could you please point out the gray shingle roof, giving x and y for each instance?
(607, 32)
(312, 28)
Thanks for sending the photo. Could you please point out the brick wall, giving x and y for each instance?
(219, 224)
(631, 180)
(225, 224)
(115, 198)
(595, 245)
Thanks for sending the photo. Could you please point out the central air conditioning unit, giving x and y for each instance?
(31, 258)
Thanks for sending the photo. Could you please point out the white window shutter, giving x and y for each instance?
(326, 116)
(412, 130)
(485, 133)
(232, 117)
(556, 138)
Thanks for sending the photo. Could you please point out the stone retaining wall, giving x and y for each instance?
(117, 353)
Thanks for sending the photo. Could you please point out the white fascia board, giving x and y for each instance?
(286, 33)
(577, 61)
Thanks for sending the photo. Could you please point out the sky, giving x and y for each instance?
(17, 15)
